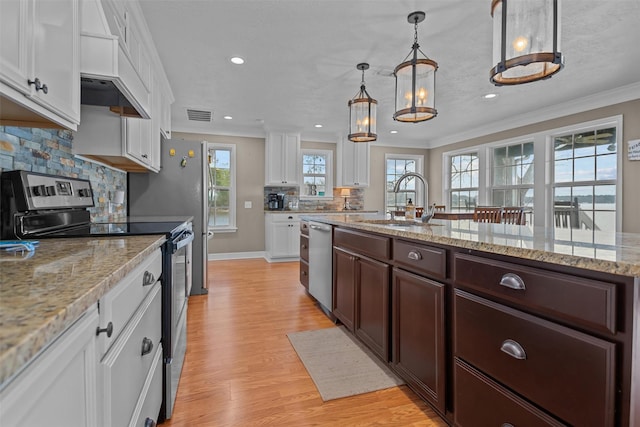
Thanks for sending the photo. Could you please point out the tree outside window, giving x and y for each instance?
(221, 200)
(396, 166)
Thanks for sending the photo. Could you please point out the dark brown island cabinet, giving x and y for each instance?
(489, 339)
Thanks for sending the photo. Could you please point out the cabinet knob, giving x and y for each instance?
(507, 425)
(147, 346)
(513, 349)
(108, 330)
(414, 255)
(512, 281)
(304, 273)
(149, 423)
(148, 279)
(38, 85)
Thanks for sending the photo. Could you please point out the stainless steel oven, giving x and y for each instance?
(179, 272)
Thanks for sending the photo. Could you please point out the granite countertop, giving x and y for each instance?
(616, 253)
(42, 295)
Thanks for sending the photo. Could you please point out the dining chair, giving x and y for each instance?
(487, 214)
(439, 208)
(513, 215)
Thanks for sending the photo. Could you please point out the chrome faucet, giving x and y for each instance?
(428, 210)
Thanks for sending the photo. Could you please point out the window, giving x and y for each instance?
(396, 166)
(464, 173)
(317, 174)
(513, 176)
(222, 200)
(585, 180)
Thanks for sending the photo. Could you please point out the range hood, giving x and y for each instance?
(107, 74)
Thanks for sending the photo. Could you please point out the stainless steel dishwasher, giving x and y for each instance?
(320, 263)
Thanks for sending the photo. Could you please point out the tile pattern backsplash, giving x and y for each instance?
(49, 151)
(356, 200)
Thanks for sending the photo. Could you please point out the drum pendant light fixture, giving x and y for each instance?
(362, 113)
(526, 40)
(415, 82)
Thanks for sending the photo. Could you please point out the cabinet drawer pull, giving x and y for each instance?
(148, 279)
(304, 246)
(414, 255)
(108, 330)
(513, 349)
(507, 425)
(304, 273)
(147, 346)
(149, 423)
(512, 281)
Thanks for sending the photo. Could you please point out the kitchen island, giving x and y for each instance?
(476, 317)
(43, 295)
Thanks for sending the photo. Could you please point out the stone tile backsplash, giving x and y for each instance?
(49, 151)
(356, 199)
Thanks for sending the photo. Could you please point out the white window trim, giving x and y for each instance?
(328, 194)
(543, 168)
(419, 159)
(231, 228)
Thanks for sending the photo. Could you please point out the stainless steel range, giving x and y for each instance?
(35, 205)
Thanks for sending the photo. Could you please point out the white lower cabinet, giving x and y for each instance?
(59, 387)
(105, 370)
(282, 236)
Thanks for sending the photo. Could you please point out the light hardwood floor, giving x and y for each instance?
(240, 369)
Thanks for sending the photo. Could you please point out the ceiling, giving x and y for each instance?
(301, 58)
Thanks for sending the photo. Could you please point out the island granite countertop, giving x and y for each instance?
(615, 253)
(42, 295)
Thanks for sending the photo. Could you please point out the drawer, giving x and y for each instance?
(119, 304)
(304, 248)
(579, 301)
(304, 228)
(304, 274)
(283, 217)
(480, 401)
(366, 244)
(429, 260)
(150, 399)
(127, 363)
(568, 373)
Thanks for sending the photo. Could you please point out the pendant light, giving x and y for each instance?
(362, 113)
(415, 82)
(525, 41)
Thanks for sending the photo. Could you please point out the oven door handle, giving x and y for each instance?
(184, 239)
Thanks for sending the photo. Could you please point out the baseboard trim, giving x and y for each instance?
(235, 255)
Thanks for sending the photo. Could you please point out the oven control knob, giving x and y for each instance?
(51, 190)
(39, 190)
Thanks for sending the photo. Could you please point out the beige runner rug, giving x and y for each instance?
(339, 365)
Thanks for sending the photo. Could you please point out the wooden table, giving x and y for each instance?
(453, 215)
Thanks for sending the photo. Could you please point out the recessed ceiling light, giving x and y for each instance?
(237, 60)
(227, 117)
(490, 95)
(393, 131)
(317, 126)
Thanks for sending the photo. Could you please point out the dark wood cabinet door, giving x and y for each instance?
(372, 305)
(418, 353)
(344, 286)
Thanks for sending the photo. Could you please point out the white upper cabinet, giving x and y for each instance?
(282, 157)
(39, 54)
(353, 163)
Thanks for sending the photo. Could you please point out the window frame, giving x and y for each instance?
(543, 167)
(232, 226)
(328, 175)
(419, 161)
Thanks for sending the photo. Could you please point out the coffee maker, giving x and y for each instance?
(275, 201)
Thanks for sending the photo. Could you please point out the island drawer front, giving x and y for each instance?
(478, 400)
(377, 247)
(304, 248)
(304, 274)
(304, 228)
(421, 258)
(127, 363)
(576, 300)
(119, 304)
(569, 373)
